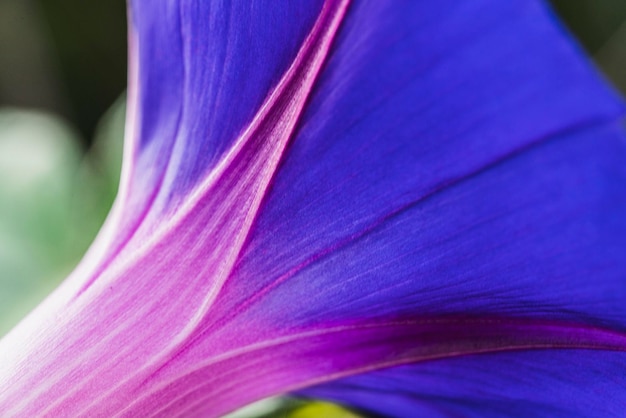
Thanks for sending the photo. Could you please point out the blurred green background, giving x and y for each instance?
(62, 78)
(62, 81)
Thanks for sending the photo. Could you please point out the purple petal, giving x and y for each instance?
(294, 359)
(555, 383)
(199, 73)
(444, 193)
(540, 234)
(511, 207)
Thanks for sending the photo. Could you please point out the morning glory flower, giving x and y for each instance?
(414, 208)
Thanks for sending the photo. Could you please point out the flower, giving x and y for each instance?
(407, 207)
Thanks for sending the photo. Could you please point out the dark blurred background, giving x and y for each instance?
(69, 56)
(62, 78)
(63, 56)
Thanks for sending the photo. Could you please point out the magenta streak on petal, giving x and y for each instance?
(74, 359)
(302, 359)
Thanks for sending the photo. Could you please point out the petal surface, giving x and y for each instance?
(395, 203)
(198, 74)
(487, 180)
(403, 182)
(567, 383)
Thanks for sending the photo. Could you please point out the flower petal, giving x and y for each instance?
(445, 193)
(554, 383)
(550, 249)
(397, 196)
(193, 113)
(199, 71)
(415, 209)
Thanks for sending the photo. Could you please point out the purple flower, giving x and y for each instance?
(415, 208)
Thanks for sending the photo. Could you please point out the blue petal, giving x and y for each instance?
(540, 234)
(568, 383)
(206, 67)
(455, 186)
(455, 159)
(198, 73)
(442, 169)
